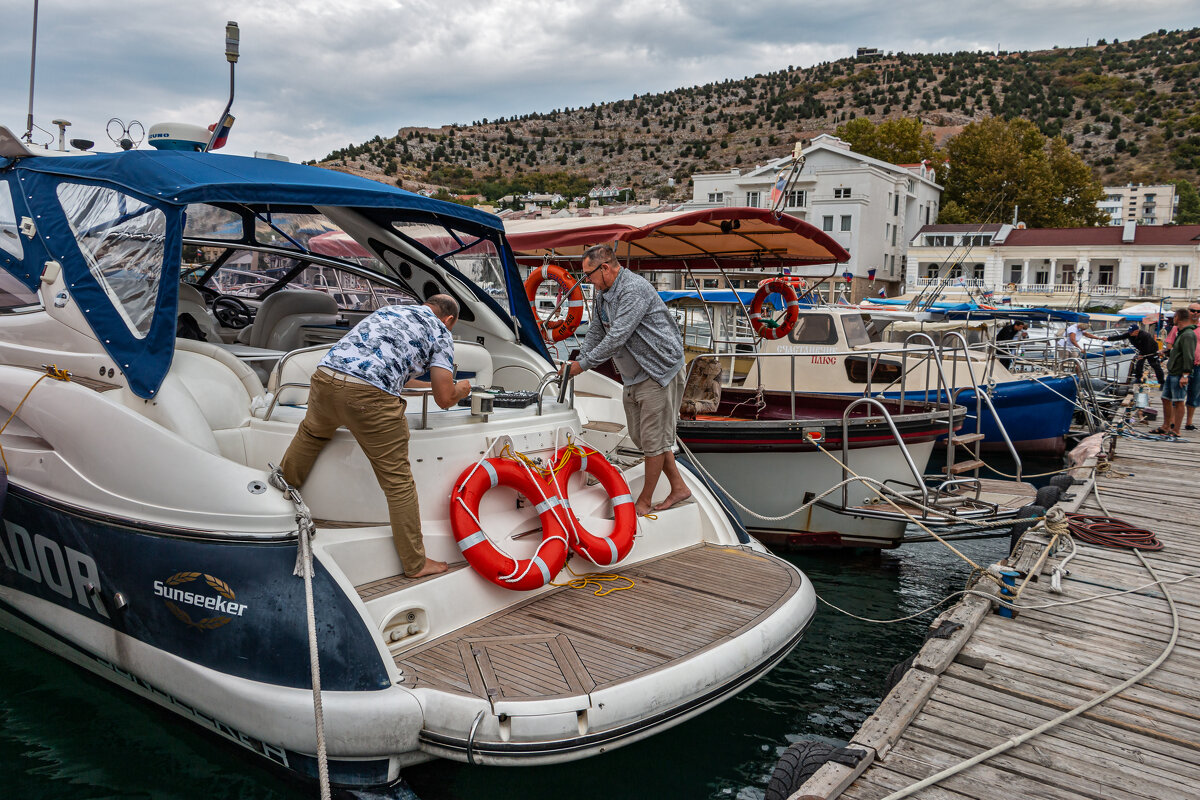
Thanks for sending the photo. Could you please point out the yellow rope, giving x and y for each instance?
(598, 581)
(52, 371)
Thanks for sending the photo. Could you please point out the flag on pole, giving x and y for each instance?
(849, 276)
(780, 186)
(842, 301)
(871, 274)
(883, 291)
(223, 133)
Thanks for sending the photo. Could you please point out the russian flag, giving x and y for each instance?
(223, 134)
(883, 291)
(871, 274)
(779, 188)
(842, 301)
(849, 276)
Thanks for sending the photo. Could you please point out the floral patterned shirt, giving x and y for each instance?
(393, 346)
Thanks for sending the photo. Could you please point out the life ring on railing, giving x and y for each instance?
(1012, 287)
(486, 559)
(771, 329)
(558, 329)
(603, 551)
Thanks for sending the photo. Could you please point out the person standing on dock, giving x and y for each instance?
(1147, 347)
(358, 385)
(1193, 392)
(1180, 364)
(631, 325)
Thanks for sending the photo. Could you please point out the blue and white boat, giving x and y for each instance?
(142, 542)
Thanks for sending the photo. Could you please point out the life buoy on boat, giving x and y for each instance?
(560, 329)
(603, 551)
(771, 329)
(498, 567)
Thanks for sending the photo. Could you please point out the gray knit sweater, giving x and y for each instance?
(630, 316)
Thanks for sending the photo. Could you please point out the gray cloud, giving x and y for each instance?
(316, 75)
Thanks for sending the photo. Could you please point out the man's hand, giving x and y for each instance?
(446, 391)
(573, 369)
(463, 389)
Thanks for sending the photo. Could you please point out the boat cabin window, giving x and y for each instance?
(859, 368)
(476, 257)
(122, 240)
(250, 273)
(10, 231)
(855, 326)
(203, 221)
(814, 329)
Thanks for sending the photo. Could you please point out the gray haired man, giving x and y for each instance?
(631, 325)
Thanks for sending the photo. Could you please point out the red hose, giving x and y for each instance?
(1111, 532)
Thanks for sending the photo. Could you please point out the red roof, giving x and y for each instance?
(1108, 236)
(991, 227)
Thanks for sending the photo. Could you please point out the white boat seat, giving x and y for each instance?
(702, 394)
(473, 362)
(290, 378)
(279, 323)
(191, 303)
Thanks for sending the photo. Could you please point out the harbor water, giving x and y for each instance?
(65, 733)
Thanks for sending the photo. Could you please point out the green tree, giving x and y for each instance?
(997, 165)
(897, 141)
(1189, 203)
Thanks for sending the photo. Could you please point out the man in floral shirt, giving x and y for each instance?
(358, 385)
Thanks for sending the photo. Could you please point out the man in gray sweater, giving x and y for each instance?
(631, 325)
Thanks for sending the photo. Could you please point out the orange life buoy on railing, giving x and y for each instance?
(559, 329)
(771, 329)
(603, 551)
(498, 567)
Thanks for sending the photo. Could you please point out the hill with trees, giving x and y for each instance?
(1130, 110)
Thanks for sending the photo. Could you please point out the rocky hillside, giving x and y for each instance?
(1130, 109)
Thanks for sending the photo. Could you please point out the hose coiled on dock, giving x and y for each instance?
(1111, 532)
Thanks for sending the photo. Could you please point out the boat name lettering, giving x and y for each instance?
(824, 359)
(223, 604)
(805, 349)
(276, 754)
(68, 572)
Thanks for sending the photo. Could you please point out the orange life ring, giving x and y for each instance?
(771, 329)
(603, 551)
(501, 568)
(560, 329)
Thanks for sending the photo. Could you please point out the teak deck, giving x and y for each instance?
(996, 678)
(568, 641)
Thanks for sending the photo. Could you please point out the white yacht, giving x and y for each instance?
(141, 540)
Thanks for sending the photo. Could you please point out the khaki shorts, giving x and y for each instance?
(651, 412)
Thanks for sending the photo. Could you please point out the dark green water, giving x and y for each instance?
(67, 734)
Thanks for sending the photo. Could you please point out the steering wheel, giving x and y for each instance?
(232, 312)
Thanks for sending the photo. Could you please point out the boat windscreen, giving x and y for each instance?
(856, 330)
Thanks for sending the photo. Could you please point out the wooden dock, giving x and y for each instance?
(995, 678)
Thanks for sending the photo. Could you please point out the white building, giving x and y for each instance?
(1058, 267)
(1145, 205)
(870, 207)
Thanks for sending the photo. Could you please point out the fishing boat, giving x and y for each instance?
(143, 541)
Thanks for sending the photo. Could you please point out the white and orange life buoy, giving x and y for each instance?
(770, 329)
(486, 559)
(559, 329)
(603, 551)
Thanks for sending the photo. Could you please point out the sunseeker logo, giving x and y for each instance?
(224, 602)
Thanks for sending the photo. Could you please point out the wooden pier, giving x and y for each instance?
(995, 678)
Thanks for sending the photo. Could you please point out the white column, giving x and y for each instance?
(1025, 272)
(1081, 271)
(1052, 276)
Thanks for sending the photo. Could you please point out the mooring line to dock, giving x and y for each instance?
(1080, 709)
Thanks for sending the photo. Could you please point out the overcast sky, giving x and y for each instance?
(318, 75)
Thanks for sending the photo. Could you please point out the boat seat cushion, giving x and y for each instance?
(702, 394)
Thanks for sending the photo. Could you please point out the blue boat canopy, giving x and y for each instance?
(115, 224)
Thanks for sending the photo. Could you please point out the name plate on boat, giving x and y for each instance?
(529, 443)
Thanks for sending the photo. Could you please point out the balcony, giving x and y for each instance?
(974, 283)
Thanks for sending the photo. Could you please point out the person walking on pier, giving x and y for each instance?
(631, 325)
(1180, 364)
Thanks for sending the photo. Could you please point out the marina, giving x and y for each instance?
(378, 476)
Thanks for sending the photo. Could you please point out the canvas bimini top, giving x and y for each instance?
(116, 224)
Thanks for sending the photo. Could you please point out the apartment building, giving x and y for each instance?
(1059, 267)
(869, 206)
(1145, 205)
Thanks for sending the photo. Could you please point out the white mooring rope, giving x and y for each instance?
(305, 531)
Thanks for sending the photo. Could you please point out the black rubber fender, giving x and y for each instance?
(797, 764)
(896, 673)
(1063, 482)
(1019, 528)
(1047, 496)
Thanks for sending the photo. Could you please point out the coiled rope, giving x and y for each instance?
(1111, 532)
(52, 371)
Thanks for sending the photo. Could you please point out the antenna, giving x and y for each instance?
(32, 63)
(232, 40)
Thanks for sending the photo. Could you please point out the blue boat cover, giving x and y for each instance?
(168, 181)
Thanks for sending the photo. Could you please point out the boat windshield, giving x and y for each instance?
(475, 257)
(856, 330)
